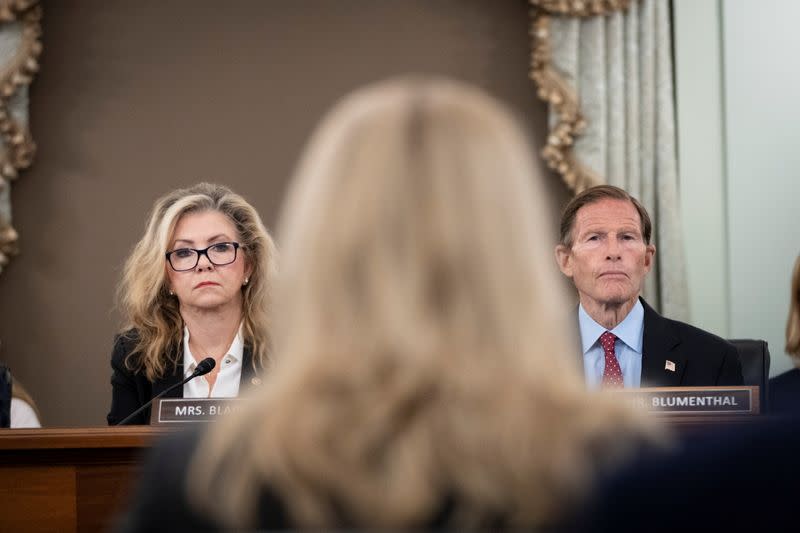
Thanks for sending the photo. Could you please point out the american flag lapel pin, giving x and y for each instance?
(669, 365)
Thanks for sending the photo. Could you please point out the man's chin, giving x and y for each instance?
(614, 297)
(616, 300)
(619, 302)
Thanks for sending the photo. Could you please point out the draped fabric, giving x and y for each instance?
(20, 46)
(605, 68)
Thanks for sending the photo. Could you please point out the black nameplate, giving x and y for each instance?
(694, 400)
(188, 410)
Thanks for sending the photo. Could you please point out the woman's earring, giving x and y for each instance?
(171, 292)
(246, 281)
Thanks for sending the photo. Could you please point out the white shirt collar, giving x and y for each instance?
(228, 377)
(235, 352)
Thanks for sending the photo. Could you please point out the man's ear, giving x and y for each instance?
(564, 259)
(649, 254)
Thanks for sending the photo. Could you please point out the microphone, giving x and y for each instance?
(203, 367)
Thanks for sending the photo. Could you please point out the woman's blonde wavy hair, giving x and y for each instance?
(425, 348)
(793, 322)
(152, 316)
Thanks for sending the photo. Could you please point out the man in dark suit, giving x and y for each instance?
(605, 248)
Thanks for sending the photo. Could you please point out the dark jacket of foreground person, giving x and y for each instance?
(160, 502)
(740, 478)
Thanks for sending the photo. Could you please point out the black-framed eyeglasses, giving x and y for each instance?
(219, 254)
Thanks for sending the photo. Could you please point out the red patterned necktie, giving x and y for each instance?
(612, 374)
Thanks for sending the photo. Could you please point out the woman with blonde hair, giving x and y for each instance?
(793, 322)
(196, 285)
(784, 390)
(426, 373)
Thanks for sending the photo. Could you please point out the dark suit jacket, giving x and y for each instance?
(5, 397)
(131, 390)
(160, 500)
(784, 393)
(734, 478)
(700, 358)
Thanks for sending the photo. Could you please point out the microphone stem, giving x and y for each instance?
(149, 403)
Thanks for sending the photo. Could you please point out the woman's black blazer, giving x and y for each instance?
(131, 390)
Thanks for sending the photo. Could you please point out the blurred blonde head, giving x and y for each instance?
(143, 293)
(424, 342)
(793, 322)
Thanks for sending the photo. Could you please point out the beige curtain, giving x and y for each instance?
(605, 68)
(20, 46)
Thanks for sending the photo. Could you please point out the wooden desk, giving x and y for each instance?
(69, 479)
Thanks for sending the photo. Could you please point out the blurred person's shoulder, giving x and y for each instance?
(784, 393)
(161, 500)
(738, 476)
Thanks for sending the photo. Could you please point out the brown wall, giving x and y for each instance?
(136, 98)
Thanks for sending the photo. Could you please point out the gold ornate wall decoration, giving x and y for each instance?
(554, 89)
(18, 149)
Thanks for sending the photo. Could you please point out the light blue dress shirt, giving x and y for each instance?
(628, 347)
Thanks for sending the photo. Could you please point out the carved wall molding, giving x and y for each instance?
(554, 89)
(16, 74)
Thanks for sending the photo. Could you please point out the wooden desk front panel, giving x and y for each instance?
(67, 480)
(38, 499)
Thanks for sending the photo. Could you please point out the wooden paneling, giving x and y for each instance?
(38, 499)
(102, 492)
(68, 480)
